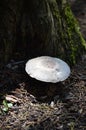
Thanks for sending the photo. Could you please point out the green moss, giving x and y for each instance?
(76, 41)
(70, 43)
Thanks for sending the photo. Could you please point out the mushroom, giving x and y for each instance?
(48, 69)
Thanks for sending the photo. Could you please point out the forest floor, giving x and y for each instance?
(22, 107)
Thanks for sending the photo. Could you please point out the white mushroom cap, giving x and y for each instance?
(47, 69)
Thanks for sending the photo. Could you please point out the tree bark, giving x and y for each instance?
(39, 27)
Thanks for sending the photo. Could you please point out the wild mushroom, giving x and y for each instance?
(48, 69)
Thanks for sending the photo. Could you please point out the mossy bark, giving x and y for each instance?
(41, 27)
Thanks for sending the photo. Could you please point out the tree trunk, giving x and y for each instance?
(39, 27)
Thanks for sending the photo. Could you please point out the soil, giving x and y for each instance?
(26, 104)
